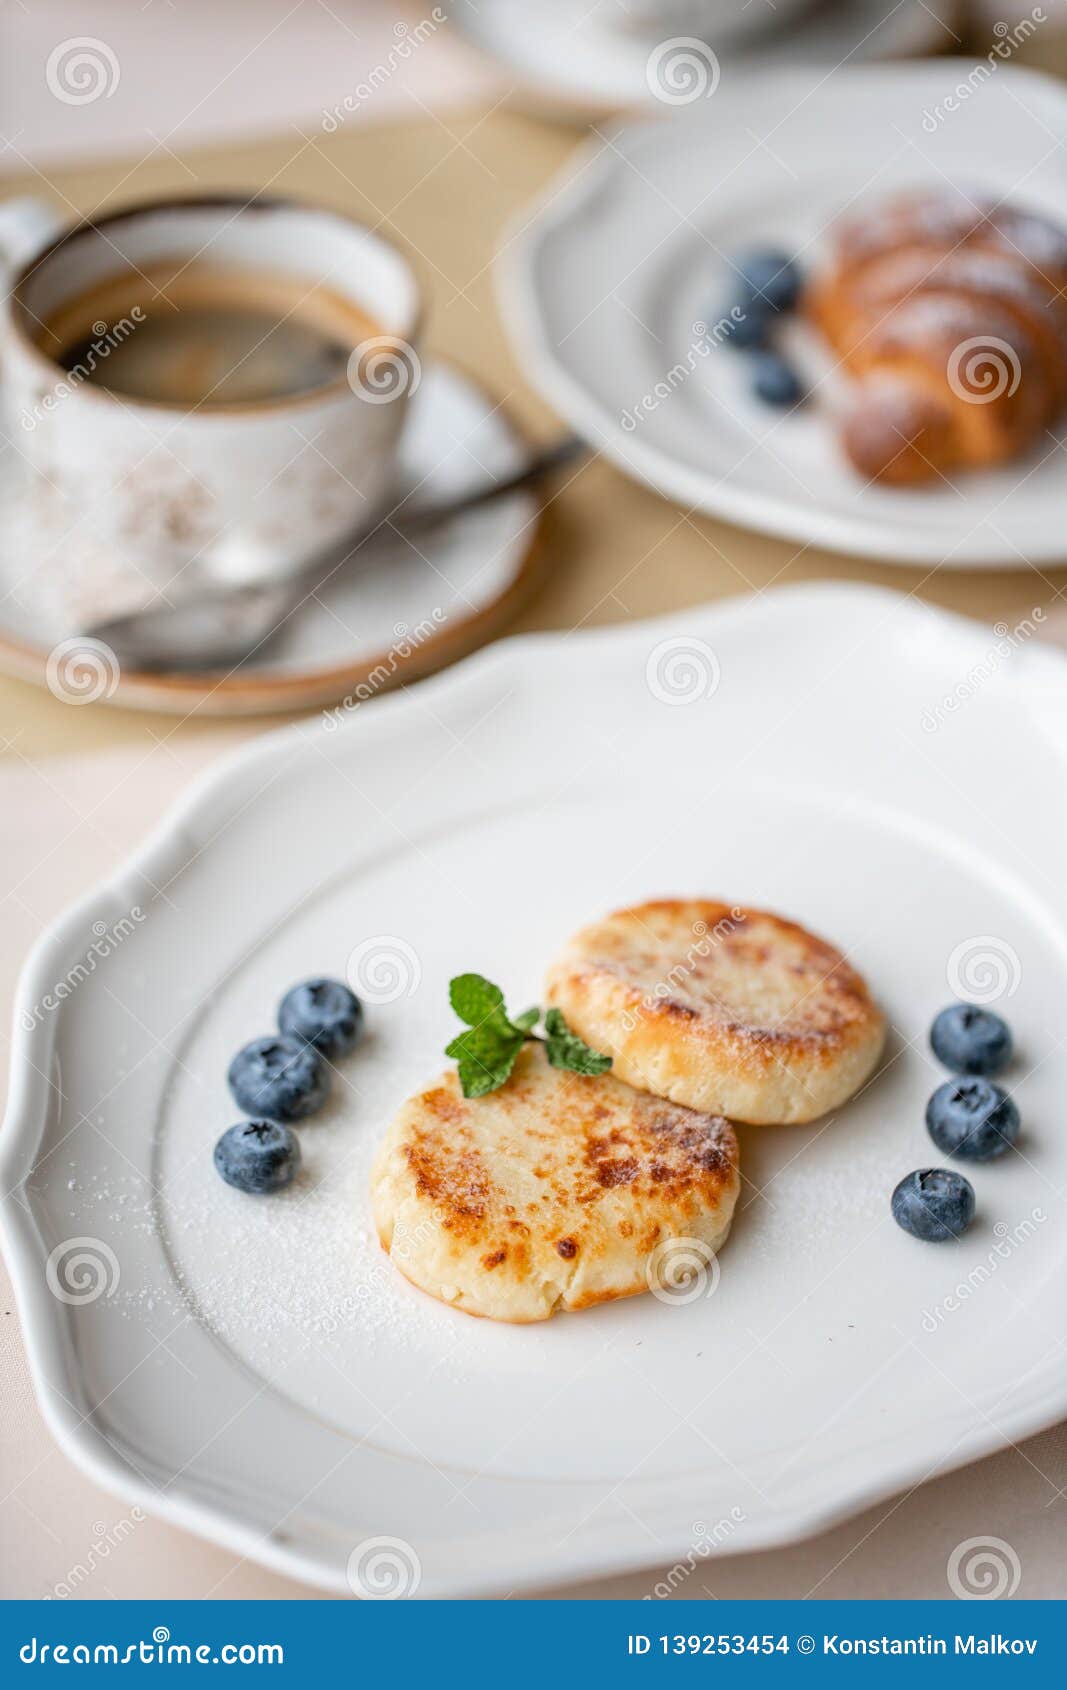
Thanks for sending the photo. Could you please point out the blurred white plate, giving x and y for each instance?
(609, 282)
(582, 59)
(256, 1370)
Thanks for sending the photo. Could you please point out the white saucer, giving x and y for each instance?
(577, 59)
(612, 283)
(411, 607)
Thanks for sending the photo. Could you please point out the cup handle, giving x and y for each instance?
(26, 225)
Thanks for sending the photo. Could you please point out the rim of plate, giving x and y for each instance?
(43, 1334)
(585, 172)
(918, 29)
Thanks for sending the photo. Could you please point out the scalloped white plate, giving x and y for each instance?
(612, 282)
(255, 1370)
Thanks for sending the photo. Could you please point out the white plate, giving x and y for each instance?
(581, 60)
(256, 1370)
(411, 606)
(613, 281)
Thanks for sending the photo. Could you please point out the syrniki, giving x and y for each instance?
(557, 1191)
(732, 1011)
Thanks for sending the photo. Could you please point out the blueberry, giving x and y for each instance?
(972, 1118)
(748, 323)
(258, 1156)
(970, 1040)
(281, 1078)
(769, 276)
(774, 381)
(934, 1204)
(324, 1013)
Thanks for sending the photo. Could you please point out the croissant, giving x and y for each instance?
(950, 313)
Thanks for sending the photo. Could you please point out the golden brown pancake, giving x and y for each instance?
(554, 1192)
(731, 1011)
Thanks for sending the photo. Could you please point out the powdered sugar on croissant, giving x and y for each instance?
(951, 313)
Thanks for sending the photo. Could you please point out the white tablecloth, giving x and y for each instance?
(281, 64)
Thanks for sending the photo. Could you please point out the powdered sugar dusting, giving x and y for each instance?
(302, 1270)
(950, 217)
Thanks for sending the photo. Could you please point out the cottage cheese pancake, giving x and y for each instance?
(732, 1011)
(554, 1192)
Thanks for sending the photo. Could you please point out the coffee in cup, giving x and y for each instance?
(194, 335)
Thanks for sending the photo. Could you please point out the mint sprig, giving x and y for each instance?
(485, 1051)
(566, 1050)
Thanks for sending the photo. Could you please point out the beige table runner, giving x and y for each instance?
(447, 190)
(80, 785)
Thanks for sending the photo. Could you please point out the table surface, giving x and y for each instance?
(79, 786)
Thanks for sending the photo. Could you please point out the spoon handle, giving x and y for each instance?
(226, 623)
(542, 464)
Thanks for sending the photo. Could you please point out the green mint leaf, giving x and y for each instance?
(476, 1081)
(486, 1049)
(475, 999)
(566, 1050)
(485, 1056)
(481, 1044)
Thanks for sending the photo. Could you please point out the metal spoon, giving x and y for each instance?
(225, 624)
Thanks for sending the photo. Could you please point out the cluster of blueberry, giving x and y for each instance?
(284, 1078)
(768, 289)
(968, 1117)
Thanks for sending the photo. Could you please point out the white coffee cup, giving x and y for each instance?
(127, 498)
